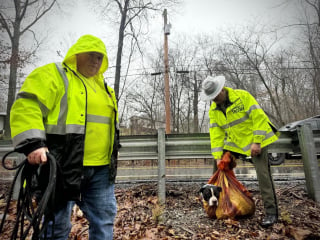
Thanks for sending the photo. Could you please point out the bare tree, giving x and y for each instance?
(290, 85)
(4, 47)
(147, 104)
(134, 19)
(242, 57)
(144, 98)
(17, 17)
(307, 60)
(183, 99)
(251, 59)
(313, 40)
(4, 63)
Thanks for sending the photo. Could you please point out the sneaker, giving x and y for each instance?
(269, 220)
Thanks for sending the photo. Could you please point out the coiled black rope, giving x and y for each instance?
(38, 216)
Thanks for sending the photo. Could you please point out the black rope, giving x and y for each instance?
(37, 216)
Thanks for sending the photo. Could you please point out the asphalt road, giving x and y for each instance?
(245, 171)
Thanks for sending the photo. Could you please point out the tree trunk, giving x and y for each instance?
(195, 105)
(120, 48)
(13, 75)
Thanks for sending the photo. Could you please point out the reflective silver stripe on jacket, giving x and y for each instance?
(232, 144)
(27, 95)
(253, 107)
(235, 122)
(61, 128)
(247, 148)
(64, 100)
(217, 149)
(32, 133)
(259, 132)
(269, 135)
(240, 120)
(98, 119)
(212, 125)
(65, 129)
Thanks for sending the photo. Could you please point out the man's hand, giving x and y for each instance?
(255, 149)
(218, 161)
(38, 156)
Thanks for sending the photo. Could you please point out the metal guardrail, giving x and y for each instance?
(163, 147)
(178, 146)
(185, 146)
(196, 145)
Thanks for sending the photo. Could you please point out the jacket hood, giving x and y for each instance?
(86, 43)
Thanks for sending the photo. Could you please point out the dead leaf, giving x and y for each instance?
(151, 234)
(299, 233)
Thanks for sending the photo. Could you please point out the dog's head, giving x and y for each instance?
(210, 193)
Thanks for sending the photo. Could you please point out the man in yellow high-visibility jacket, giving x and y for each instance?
(239, 125)
(67, 109)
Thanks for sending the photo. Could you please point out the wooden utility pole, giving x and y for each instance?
(166, 72)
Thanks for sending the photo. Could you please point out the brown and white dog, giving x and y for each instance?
(210, 193)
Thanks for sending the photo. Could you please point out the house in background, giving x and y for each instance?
(142, 126)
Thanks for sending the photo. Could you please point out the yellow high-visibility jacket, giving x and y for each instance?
(57, 108)
(243, 124)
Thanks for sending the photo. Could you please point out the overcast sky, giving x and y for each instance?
(194, 16)
(206, 15)
(198, 15)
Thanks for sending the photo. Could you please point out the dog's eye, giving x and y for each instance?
(206, 194)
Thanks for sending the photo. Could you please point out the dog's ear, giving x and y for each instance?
(202, 188)
(219, 189)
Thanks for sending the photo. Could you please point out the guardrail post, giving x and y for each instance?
(310, 162)
(161, 166)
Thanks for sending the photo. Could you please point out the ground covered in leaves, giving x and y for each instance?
(140, 216)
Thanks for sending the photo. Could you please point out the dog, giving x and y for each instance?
(210, 193)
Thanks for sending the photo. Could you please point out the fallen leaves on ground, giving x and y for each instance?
(141, 217)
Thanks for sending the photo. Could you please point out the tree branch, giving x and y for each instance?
(5, 25)
(38, 17)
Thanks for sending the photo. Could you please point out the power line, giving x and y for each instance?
(242, 70)
(197, 65)
(185, 70)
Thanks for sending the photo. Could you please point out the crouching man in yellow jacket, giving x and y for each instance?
(67, 109)
(239, 125)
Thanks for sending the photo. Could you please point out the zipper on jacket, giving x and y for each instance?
(85, 127)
